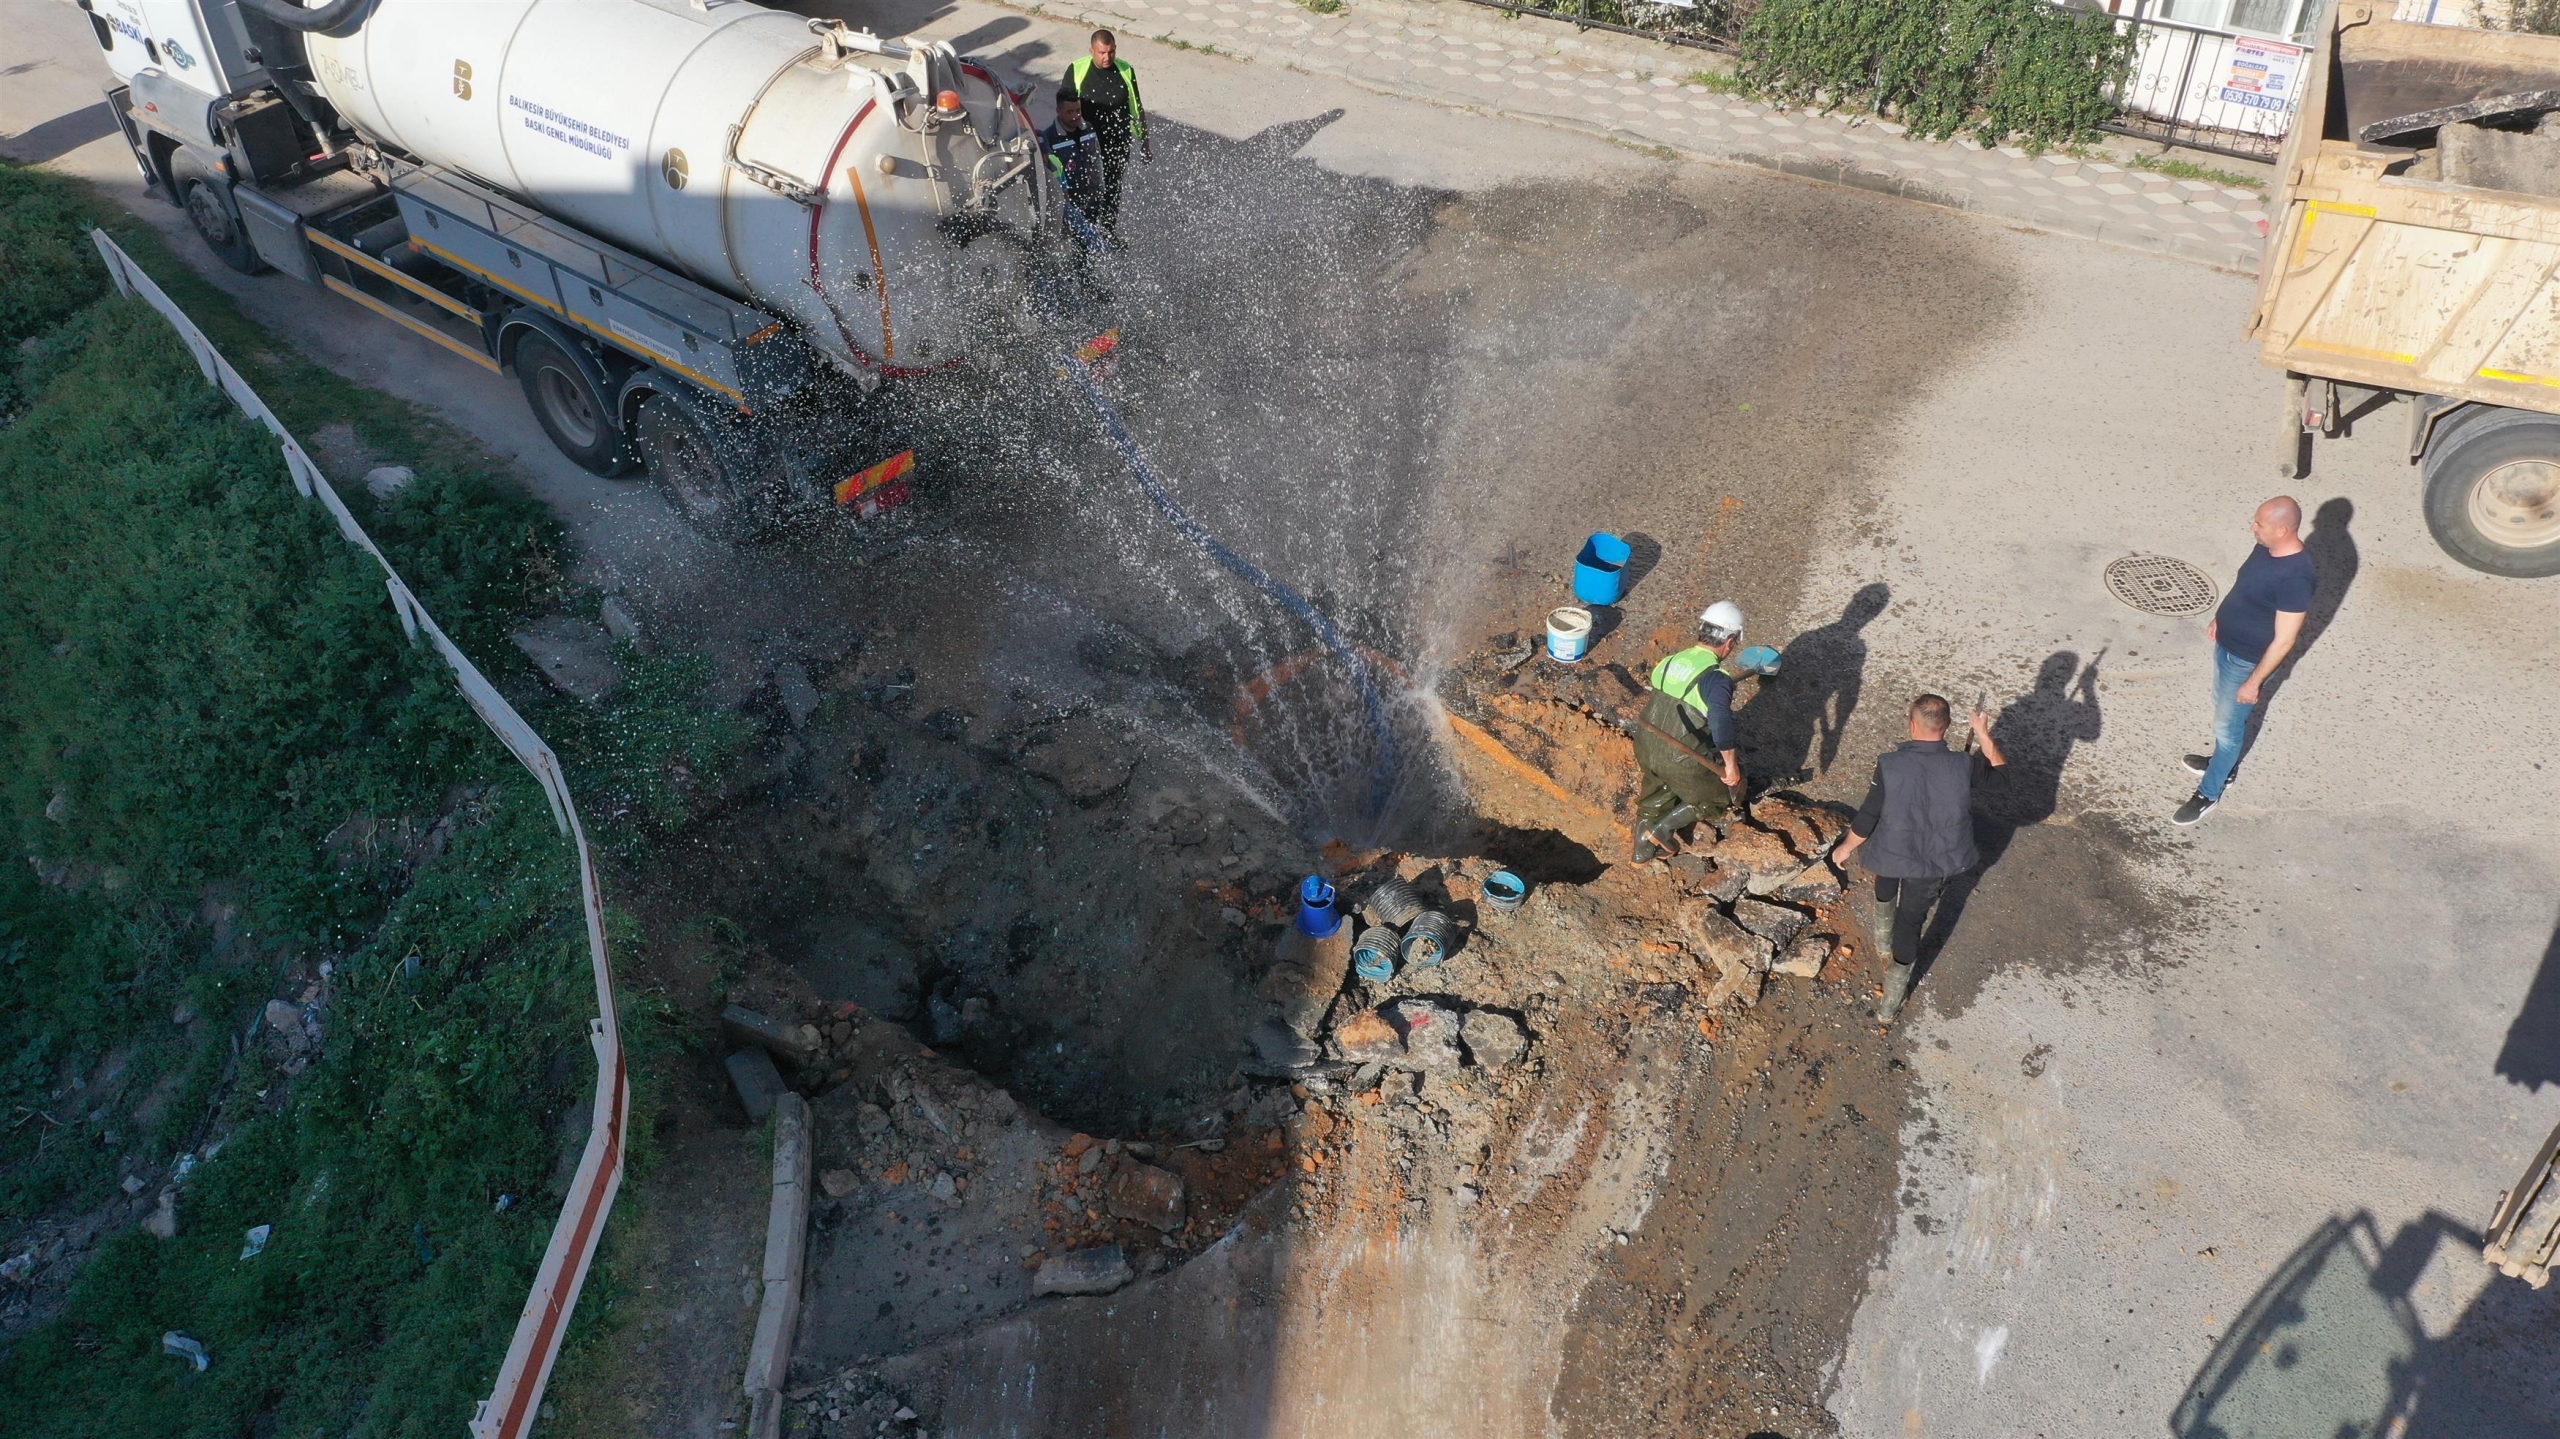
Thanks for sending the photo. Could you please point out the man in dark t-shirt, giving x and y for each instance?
(2255, 629)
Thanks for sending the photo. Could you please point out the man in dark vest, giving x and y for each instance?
(1108, 88)
(1917, 830)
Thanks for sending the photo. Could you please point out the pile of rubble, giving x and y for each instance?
(1765, 898)
(1759, 897)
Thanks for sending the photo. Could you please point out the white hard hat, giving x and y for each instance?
(1724, 617)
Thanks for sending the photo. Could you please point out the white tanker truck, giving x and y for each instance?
(697, 231)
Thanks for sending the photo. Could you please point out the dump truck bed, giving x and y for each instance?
(2418, 216)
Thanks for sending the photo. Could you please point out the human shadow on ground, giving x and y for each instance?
(2331, 1345)
(1793, 729)
(2036, 733)
(2531, 1054)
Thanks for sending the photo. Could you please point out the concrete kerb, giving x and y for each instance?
(2021, 208)
(786, 1255)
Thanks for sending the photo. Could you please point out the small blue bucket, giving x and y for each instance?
(1601, 569)
(1316, 915)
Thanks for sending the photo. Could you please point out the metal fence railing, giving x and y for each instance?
(1700, 24)
(2194, 87)
(2207, 89)
(509, 1410)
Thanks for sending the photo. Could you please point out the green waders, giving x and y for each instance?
(1672, 775)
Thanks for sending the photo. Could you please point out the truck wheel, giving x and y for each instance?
(206, 198)
(706, 481)
(2493, 493)
(572, 410)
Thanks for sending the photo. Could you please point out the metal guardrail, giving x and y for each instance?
(2178, 93)
(509, 1410)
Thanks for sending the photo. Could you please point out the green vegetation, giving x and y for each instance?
(2177, 169)
(2533, 17)
(1323, 7)
(229, 765)
(1714, 82)
(1994, 69)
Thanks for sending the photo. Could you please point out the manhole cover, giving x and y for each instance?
(2158, 585)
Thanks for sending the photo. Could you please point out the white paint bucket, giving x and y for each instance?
(1568, 633)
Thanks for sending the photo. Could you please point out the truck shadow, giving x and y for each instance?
(2531, 1054)
(2331, 1345)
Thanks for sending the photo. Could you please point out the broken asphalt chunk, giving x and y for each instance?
(758, 1083)
(1098, 1270)
(1494, 1040)
(787, 1042)
(1144, 1194)
(1775, 923)
(575, 655)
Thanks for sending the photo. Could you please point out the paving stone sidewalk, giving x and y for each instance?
(1631, 90)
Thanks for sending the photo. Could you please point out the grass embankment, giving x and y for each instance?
(220, 764)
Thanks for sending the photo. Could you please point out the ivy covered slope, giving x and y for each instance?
(221, 765)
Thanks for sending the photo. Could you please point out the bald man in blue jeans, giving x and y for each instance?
(2257, 626)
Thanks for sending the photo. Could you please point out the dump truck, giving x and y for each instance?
(699, 233)
(2414, 254)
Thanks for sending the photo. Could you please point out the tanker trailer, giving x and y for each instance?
(698, 232)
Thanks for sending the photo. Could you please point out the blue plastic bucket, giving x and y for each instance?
(1316, 915)
(1601, 569)
(1504, 891)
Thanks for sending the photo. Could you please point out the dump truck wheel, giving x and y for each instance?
(206, 197)
(2493, 493)
(572, 410)
(707, 479)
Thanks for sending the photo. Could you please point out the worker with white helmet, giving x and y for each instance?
(1686, 748)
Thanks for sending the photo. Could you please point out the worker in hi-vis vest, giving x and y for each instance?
(1109, 90)
(1690, 760)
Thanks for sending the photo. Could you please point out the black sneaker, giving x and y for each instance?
(2196, 808)
(2197, 764)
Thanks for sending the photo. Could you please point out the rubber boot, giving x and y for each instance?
(1665, 833)
(1884, 927)
(1897, 988)
(1644, 848)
